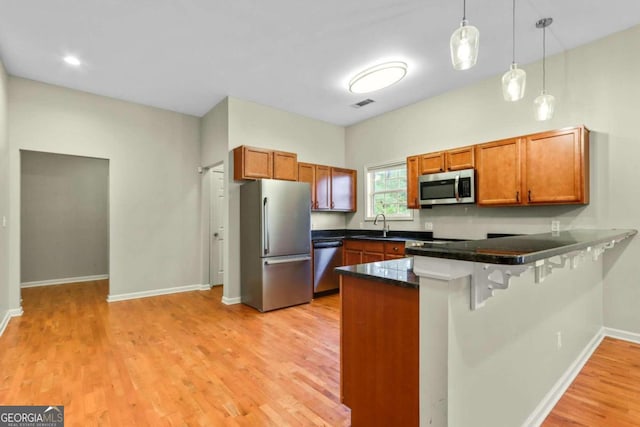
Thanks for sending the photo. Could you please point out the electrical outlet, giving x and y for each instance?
(428, 226)
(4, 221)
(362, 225)
(555, 225)
(559, 339)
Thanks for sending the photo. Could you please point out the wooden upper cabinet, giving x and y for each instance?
(432, 163)
(556, 167)
(285, 166)
(498, 173)
(323, 187)
(540, 169)
(252, 163)
(343, 189)
(413, 172)
(460, 158)
(307, 173)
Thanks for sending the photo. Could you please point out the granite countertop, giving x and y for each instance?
(398, 272)
(519, 250)
(396, 235)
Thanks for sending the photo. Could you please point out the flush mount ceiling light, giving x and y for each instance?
(514, 80)
(464, 43)
(378, 77)
(72, 60)
(544, 104)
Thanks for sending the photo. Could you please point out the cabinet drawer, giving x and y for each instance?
(369, 246)
(353, 244)
(394, 248)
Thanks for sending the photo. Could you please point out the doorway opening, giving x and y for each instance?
(64, 220)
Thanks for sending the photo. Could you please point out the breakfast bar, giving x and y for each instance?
(472, 350)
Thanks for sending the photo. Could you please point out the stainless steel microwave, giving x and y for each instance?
(447, 188)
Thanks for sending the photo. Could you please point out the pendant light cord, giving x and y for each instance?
(464, 10)
(513, 34)
(544, 55)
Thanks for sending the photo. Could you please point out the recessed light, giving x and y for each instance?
(378, 77)
(72, 60)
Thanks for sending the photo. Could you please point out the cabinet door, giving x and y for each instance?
(554, 170)
(285, 166)
(352, 252)
(343, 189)
(413, 172)
(431, 163)
(352, 256)
(498, 173)
(372, 257)
(307, 173)
(252, 163)
(460, 158)
(323, 187)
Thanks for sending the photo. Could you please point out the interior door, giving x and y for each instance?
(216, 226)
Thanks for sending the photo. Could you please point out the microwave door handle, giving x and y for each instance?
(457, 188)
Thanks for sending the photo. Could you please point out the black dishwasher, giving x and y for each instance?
(327, 255)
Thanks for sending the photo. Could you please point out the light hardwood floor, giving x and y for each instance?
(187, 359)
(606, 392)
(182, 359)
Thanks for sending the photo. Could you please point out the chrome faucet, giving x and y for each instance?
(384, 224)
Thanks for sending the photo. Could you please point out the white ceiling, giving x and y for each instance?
(294, 55)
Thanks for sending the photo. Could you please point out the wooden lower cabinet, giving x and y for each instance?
(356, 251)
(379, 352)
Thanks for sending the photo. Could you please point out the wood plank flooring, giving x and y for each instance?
(606, 392)
(174, 360)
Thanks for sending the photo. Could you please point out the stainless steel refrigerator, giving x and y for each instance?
(275, 244)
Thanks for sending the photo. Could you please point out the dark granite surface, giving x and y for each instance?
(398, 272)
(520, 249)
(319, 235)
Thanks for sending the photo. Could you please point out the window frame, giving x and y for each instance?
(369, 193)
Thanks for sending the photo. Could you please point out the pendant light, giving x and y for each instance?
(514, 80)
(544, 104)
(464, 43)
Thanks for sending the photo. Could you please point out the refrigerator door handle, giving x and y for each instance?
(265, 225)
(283, 261)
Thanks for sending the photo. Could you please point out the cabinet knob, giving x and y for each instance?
(529, 195)
(395, 248)
(518, 196)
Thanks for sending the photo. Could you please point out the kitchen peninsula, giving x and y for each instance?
(472, 356)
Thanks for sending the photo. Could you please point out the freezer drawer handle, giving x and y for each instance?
(283, 261)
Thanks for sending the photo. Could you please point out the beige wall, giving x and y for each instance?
(64, 217)
(154, 187)
(4, 196)
(594, 85)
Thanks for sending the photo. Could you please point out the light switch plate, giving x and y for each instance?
(555, 225)
(428, 226)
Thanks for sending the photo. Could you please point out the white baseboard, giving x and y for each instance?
(622, 335)
(15, 312)
(156, 292)
(63, 281)
(543, 409)
(231, 301)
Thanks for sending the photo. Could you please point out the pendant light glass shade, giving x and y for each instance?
(544, 105)
(514, 82)
(464, 45)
